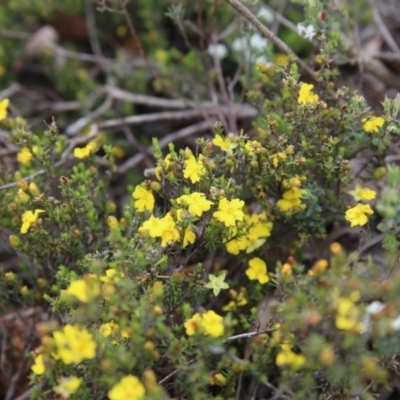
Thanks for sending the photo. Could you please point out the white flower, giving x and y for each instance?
(396, 324)
(265, 14)
(375, 307)
(307, 32)
(258, 42)
(219, 49)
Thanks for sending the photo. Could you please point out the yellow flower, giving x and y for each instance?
(229, 211)
(153, 226)
(373, 124)
(291, 200)
(164, 164)
(226, 144)
(348, 315)
(169, 232)
(197, 203)
(306, 95)
(24, 156)
(83, 289)
(67, 386)
(218, 380)
(286, 270)
(74, 345)
(189, 237)
(257, 270)
(29, 218)
(217, 283)
(358, 214)
(112, 276)
(38, 367)
(110, 328)
(10, 276)
(288, 358)
(14, 240)
(24, 290)
(3, 108)
(34, 189)
(84, 152)
(318, 268)
(208, 323)
(144, 199)
(194, 170)
(212, 324)
(22, 196)
(128, 388)
(365, 194)
(193, 325)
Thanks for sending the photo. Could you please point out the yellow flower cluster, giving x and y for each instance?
(229, 212)
(91, 286)
(38, 366)
(167, 229)
(3, 108)
(238, 300)
(208, 323)
(306, 94)
(84, 152)
(291, 201)
(257, 270)
(144, 199)
(253, 234)
(225, 144)
(347, 314)
(194, 169)
(67, 386)
(25, 155)
(29, 218)
(358, 215)
(128, 388)
(373, 124)
(288, 358)
(74, 345)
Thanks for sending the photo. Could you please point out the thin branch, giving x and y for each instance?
(241, 111)
(249, 335)
(384, 30)
(282, 46)
(74, 128)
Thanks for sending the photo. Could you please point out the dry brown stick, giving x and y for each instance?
(143, 99)
(180, 134)
(74, 128)
(384, 30)
(282, 46)
(241, 111)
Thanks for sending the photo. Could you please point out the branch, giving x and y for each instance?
(241, 111)
(270, 35)
(249, 334)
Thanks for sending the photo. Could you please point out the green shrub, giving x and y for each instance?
(201, 287)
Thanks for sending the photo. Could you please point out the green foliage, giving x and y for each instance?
(201, 285)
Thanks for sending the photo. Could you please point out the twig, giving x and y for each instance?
(182, 133)
(384, 30)
(249, 335)
(277, 21)
(241, 111)
(173, 373)
(74, 128)
(269, 35)
(150, 101)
